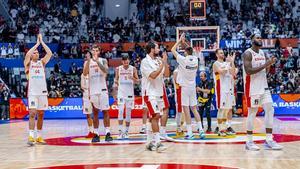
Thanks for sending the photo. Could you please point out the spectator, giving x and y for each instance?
(4, 102)
(16, 51)
(3, 51)
(10, 51)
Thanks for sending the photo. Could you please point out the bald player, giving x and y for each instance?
(257, 92)
(222, 72)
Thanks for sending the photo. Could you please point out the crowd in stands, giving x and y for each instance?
(76, 21)
(69, 23)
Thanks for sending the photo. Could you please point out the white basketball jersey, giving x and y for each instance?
(257, 83)
(37, 79)
(153, 87)
(126, 84)
(223, 83)
(85, 86)
(97, 78)
(187, 70)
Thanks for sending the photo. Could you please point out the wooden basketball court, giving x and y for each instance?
(67, 146)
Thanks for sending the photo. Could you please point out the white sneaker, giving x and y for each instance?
(272, 145)
(189, 137)
(126, 135)
(160, 148)
(202, 134)
(150, 147)
(250, 145)
(120, 135)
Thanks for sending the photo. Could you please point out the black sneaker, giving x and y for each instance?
(108, 137)
(96, 139)
(216, 130)
(230, 131)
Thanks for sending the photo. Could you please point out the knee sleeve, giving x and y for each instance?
(128, 114)
(121, 112)
(269, 115)
(250, 119)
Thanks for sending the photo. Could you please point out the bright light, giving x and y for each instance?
(118, 5)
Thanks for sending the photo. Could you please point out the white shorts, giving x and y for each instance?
(86, 106)
(155, 105)
(225, 101)
(259, 100)
(128, 102)
(188, 96)
(38, 102)
(100, 101)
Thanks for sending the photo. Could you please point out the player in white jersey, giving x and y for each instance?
(257, 91)
(153, 69)
(222, 72)
(37, 89)
(97, 69)
(179, 117)
(229, 129)
(187, 72)
(86, 104)
(126, 76)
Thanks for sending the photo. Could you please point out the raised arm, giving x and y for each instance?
(167, 67)
(49, 53)
(174, 48)
(103, 66)
(154, 74)
(30, 52)
(219, 70)
(247, 59)
(232, 69)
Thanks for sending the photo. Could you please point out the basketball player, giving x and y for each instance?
(257, 92)
(96, 69)
(187, 71)
(86, 106)
(179, 117)
(126, 76)
(37, 89)
(153, 69)
(222, 72)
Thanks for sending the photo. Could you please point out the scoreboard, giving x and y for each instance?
(197, 9)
